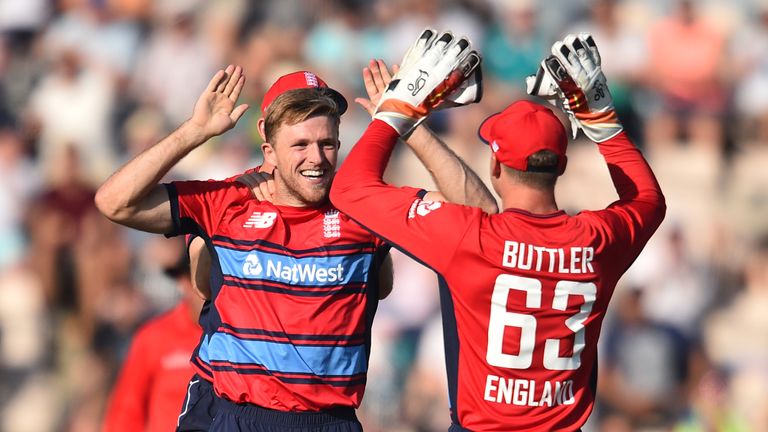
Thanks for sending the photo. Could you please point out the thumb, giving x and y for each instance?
(366, 104)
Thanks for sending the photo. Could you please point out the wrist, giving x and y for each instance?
(191, 134)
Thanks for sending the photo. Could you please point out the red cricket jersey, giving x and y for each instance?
(153, 381)
(294, 291)
(523, 295)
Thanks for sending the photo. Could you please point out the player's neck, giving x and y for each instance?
(529, 199)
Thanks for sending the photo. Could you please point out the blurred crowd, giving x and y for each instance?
(87, 84)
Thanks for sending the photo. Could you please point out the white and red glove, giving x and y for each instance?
(431, 72)
(571, 79)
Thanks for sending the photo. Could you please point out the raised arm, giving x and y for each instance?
(132, 196)
(572, 78)
(454, 178)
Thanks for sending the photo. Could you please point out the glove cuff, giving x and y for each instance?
(401, 123)
(601, 125)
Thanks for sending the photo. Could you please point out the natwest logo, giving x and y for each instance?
(252, 266)
(292, 273)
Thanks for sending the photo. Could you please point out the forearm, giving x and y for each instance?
(132, 195)
(631, 174)
(639, 191)
(455, 180)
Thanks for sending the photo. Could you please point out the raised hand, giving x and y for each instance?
(376, 77)
(215, 111)
(425, 82)
(572, 79)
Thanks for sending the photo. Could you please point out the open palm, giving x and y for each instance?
(376, 77)
(215, 111)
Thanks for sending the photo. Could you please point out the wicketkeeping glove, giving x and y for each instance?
(432, 70)
(571, 78)
(470, 91)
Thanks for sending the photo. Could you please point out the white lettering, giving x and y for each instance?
(575, 259)
(526, 392)
(521, 394)
(489, 387)
(546, 395)
(505, 391)
(539, 250)
(510, 254)
(304, 273)
(586, 263)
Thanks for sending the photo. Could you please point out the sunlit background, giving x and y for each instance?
(85, 85)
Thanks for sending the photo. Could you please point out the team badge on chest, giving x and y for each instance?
(331, 224)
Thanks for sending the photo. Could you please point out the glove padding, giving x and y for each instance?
(571, 79)
(470, 91)
(432, 70)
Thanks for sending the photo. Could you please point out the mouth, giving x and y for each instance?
(315, 174)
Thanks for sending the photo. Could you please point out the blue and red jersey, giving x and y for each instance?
(294, 291)
(523, 295)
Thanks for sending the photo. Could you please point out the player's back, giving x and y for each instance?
(529, 293)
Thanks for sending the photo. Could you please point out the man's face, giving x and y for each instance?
(304, 156)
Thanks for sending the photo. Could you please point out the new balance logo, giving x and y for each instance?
(260, 220)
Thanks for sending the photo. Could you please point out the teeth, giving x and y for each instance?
(312, 173)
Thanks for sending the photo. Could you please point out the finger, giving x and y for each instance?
(237, 89)
(214, 82)
(567, 59)
(233, 80)
(246, 180)
(223, 82)
(378, 80)
(238, 112)
(366, 104)
(271, 186)
(368, 81)
(395, 69)
(385, 75)
(257, 192)
(264, 191)
(589, 41)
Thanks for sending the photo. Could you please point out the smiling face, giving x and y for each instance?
(304, 155)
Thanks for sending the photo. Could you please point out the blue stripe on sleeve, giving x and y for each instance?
(283, 357)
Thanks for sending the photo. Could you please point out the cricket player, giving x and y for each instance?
(293, 281)
(523, 292)
(150, 386)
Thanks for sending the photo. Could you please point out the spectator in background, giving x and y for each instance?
(749, 49)
(175, 44)
(625, 57)
(72, 106)
(513, 45)
(152, 382)
(686, 66)
(678, 287)
(644, 366)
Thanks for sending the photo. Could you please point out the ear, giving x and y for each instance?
(260, 125)
(269, 154)
(495, 167)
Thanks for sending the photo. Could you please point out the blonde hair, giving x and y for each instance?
(298, 105)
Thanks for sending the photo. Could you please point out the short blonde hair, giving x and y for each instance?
(298, 105)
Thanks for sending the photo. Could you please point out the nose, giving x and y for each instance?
(315, 154)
